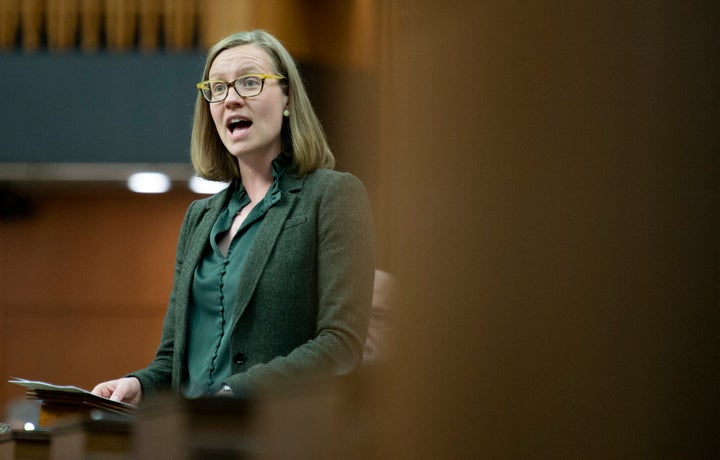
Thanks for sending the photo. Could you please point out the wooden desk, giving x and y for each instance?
(170, 427)
(102, 436)
(25, 445)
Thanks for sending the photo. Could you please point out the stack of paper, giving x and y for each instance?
(70, 396)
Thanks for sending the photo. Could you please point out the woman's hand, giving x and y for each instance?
(126, 389)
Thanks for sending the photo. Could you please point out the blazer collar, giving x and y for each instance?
(288, 182)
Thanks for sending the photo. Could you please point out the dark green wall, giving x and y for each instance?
(103, 108)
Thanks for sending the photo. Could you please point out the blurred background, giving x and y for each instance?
(543, 175)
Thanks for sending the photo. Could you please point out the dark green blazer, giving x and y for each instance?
(305, 293)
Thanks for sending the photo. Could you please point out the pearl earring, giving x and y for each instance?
(286, 113)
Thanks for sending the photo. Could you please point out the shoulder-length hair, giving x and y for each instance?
(302, 135)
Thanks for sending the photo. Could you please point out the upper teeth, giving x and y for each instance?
(235, 120)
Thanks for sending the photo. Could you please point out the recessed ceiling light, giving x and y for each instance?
(204, 186)
(149, 182)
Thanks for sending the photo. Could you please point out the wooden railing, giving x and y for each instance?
(90, 25)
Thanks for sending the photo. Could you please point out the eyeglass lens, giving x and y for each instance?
(248, 86)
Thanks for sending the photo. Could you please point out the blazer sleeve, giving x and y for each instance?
(345, 276)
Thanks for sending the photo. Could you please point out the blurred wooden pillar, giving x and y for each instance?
(62, 23)
(9, 22)
(179, 19)
(150, 20)
(120, 24)
(289, 20)
(554, 199)
(219, 18)
(31, 13)
(91, 19)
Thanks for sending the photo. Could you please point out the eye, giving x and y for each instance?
(250, 82)
(218, 87)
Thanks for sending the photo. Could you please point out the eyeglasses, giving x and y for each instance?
(246, 86)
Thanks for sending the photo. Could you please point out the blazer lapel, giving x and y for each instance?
(265, 239)
(195, 246)
(201, 233)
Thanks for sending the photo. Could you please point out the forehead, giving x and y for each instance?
(240, 60)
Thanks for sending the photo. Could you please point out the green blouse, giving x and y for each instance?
(215, 289)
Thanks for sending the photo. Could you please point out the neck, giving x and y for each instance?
(256, 177)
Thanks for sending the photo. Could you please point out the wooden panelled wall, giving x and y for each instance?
(84, 282)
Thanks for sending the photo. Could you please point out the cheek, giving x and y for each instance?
(271, 118)
(216, 115)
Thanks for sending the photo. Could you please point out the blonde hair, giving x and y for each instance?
(302, 135)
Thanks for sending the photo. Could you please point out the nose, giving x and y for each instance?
(233, 98)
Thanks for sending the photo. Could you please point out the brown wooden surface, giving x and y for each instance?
(31, 14)
(84, 284)
(52, 415)
(179, 19)
(9, 22)
(96, 437)
(26, 445)
(120, 23)
(149, 23)
(61, 23)
(91, 14)
(556, 215)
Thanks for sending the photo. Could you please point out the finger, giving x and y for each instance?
(102, 390)
(117, 395)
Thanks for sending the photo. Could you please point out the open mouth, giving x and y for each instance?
(237, 124)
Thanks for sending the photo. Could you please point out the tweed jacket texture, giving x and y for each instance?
(305, 292)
